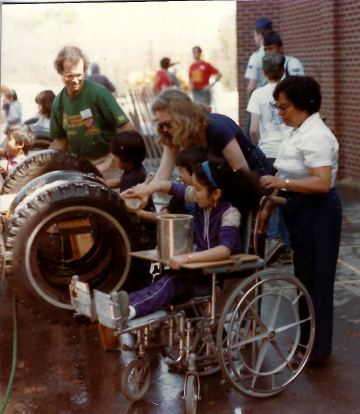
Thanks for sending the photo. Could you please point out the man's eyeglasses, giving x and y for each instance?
(72, 77)
(166, 124)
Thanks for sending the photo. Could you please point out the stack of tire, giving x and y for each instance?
(51, 187)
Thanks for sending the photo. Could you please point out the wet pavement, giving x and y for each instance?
(65, 370)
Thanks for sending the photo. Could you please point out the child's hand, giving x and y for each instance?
(176, 262)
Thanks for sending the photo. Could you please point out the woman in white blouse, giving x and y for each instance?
(307, 164)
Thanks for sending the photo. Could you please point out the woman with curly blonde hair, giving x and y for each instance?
(181, 124)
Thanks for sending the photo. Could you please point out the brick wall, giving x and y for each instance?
(325, 36)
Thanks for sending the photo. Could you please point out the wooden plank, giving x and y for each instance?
(80, 243)
(108, 339)
(152, 256)
(67, 224)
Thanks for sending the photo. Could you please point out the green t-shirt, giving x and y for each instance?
(89, 120)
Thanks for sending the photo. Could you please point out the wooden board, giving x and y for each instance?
(152, 256)
(80, 243)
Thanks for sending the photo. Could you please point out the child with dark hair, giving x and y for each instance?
(44, 100)
(19, 140)
(128, 148)
(219, 194)
(185, 161)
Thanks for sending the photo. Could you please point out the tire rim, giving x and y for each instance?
(31, 252)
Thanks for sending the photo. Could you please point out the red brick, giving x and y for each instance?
(325, 36)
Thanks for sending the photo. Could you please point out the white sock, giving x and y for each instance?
(132, 313)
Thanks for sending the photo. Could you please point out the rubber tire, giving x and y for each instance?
(2, 259)
(46, 299)
(138, 363)
(44, 162)
(190, 392)
(45, 179)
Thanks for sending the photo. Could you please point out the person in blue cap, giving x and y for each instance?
(254, 70)
(273, 44)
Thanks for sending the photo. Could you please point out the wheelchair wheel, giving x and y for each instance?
(136, 379)
(262, 325)
(191, 394)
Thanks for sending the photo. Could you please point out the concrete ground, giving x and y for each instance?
(66, 371)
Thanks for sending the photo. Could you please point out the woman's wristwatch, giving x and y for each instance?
(287, 184)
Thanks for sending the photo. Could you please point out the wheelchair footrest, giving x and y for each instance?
(147, 318)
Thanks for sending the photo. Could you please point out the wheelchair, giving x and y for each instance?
(248, 327)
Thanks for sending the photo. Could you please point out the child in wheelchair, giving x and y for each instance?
(185, 161)
(221, 196)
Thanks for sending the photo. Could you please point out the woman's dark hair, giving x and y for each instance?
(239, 188)
(302, 91)
(22, 135)
(190, 156)
(45, 99)
(129, 146)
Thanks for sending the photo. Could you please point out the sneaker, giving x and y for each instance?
(286, 258)
(274, 247)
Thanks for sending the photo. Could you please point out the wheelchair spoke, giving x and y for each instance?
(263, 348)
(275, 310)
(255, 315)
(291, 325)
(296, 300)
(250, 340)
(281, 354)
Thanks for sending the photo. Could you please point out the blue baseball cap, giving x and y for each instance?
(263, 24)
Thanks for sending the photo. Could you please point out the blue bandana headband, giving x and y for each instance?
(206, 168)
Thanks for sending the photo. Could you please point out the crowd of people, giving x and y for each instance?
(285, 148)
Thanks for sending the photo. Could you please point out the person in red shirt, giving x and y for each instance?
(165, 79)
(199, 76)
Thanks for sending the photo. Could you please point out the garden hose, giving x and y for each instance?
(13, 368)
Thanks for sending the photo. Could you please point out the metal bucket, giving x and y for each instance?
(174, 235)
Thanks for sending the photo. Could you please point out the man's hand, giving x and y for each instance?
(176, 262)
